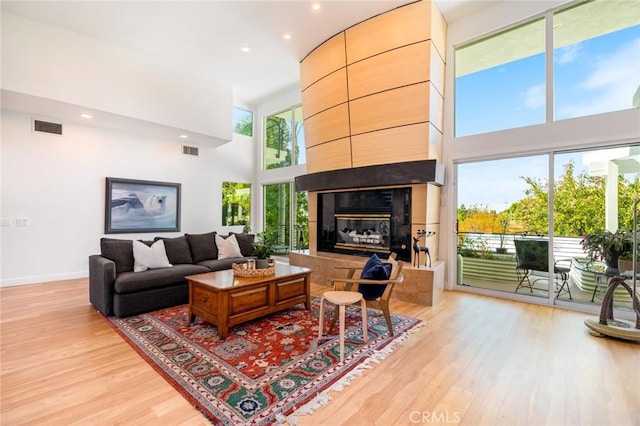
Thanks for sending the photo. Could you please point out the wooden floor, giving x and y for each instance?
(481, 361)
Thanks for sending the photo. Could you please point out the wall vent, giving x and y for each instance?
(47, 127)
(189, 150)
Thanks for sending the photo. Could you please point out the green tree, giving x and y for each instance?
(244, 127)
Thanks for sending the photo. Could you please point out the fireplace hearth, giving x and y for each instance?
(364, 222)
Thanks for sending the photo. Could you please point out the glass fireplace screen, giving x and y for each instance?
(363, 232)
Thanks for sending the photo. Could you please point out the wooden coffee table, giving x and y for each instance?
(225, 299)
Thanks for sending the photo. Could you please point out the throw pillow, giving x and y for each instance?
(203, 246)
(178, 250)
(245, 241)
(119, 251)
(228, 247)
(145, 257)
(374, 269)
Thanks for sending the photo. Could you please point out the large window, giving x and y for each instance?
(592, 191)
(501, 81)
(284, 139)
(596, 58)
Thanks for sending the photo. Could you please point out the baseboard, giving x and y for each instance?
(38, 279)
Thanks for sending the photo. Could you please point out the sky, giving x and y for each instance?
(593, 76)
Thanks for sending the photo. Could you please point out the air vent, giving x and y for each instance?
(47, 127)
(189, 150)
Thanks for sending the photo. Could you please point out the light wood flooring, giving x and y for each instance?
(480, 361)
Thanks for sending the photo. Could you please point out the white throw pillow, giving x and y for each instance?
(145, 257)
(228, 247)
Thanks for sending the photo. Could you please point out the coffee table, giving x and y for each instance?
(225, 300)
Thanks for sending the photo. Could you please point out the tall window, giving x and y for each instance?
(501, 80)
(242, 122)
(277, 213)
(236, 203)
(284, 139)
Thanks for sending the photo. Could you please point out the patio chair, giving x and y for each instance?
(380, 302)
(532, 255)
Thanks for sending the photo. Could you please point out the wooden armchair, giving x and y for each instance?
(382, 303)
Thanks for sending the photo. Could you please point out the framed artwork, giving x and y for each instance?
(133, 206)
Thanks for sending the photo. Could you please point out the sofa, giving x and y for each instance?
(121, 285)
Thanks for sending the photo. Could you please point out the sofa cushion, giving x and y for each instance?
(374, 269)
(221, 264)
(149, 257)
(178, 249)
(227, 247)
(131, 282)
(119, 251)
(203, 246)
(245, 241)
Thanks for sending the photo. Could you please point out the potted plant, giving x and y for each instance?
(625, 261)
(263, 249)
(607, 246)
(504, 220)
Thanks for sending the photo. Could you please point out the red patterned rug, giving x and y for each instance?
(266, 370)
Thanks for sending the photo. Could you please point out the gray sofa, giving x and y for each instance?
(115, 289)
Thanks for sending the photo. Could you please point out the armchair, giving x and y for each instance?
(381, 302)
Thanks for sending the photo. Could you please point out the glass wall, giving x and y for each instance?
(594, 51)
(503, 234)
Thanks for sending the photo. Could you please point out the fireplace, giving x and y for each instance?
(363, 232)
(364, 222)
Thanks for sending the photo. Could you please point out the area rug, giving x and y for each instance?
(267, 371)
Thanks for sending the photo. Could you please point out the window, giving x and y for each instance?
(501, 80)
(284, 139)
(242, 122)
(277, 214)
(592, 190)
(236, 203)
(596, 58)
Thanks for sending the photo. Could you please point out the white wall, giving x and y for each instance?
(584, 132)
(45, 61)
(58, 183)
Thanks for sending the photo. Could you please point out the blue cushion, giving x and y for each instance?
(374, 269)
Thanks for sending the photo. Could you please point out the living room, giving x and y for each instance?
(57, 182)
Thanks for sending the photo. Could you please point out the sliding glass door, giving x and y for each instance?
(504, 222)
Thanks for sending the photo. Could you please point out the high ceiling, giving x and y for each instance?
(209, 35)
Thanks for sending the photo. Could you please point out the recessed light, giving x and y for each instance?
(184, 137)
(245, 49)
(316, 6)
(287, 36)
(85, 115)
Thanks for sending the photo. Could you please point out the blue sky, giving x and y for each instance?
(593, 76)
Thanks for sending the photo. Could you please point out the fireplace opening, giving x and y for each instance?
(368, 232)
(361, 223)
